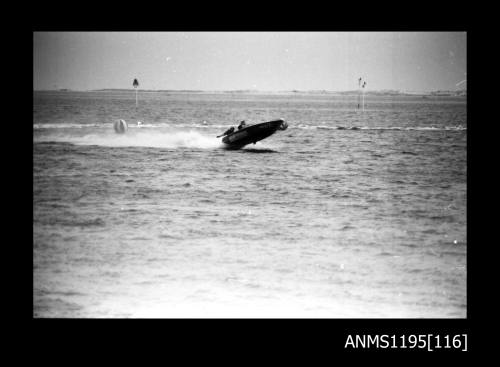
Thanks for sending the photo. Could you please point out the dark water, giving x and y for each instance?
(344, 214)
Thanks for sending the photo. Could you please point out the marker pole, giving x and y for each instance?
(359, 91)
(364, 84)
(363, 99)
(359, 95)
(136, 84)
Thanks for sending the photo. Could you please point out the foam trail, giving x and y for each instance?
(46, 126)
(139, 138)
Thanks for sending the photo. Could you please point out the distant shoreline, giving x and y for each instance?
(462, 93)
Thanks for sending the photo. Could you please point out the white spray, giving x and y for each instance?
(139, 138)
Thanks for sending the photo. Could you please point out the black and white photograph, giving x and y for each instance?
(250, 174)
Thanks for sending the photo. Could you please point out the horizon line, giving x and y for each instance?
(324, 91)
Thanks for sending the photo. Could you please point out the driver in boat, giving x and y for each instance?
(231, 130)
(228, 131)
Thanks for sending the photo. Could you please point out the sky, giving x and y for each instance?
(266, 61)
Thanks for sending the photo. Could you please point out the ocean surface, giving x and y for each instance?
(347, 213)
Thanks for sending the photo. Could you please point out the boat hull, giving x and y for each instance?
(252, 134)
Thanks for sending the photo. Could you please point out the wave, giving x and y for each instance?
(405, 128)
(69, 126)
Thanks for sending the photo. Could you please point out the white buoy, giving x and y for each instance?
(120, 126)
(139, 123)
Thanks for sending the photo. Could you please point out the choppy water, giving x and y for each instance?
(345, 214)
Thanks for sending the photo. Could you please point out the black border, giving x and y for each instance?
(318, 335)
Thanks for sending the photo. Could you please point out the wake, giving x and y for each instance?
(138, 138)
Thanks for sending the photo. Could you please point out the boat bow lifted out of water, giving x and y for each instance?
(253, 133)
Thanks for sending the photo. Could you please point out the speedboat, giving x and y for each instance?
(253, 133)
